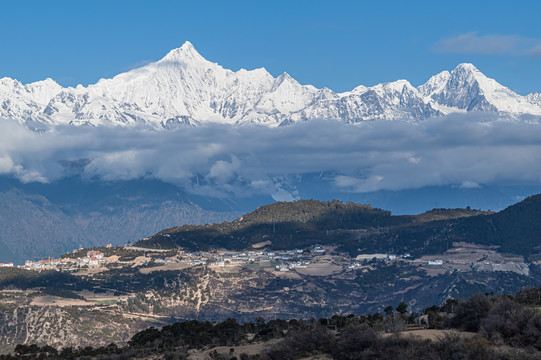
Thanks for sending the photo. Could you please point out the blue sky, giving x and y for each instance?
(338, 44)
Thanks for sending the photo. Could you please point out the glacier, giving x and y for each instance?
(185, 89)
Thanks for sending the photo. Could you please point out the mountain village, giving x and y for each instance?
(316, 260)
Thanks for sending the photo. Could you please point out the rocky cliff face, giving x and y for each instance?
(22, 322)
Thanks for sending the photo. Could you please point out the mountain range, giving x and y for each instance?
(183, 88)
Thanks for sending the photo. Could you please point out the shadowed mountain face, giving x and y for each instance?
(515, 229)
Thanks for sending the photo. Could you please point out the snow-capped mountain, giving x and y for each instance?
(467, 89)
(184, 88)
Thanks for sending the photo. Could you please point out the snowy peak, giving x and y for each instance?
(396, 87)
(435, 84)
(285, 81)
(286, 96)
(183, 54)
(285, 77)
(188, 46)
(468, 89)
(467, 68)
(26, 103)
(43, 91)
(468, 76)
(465, 88)
(183, 88)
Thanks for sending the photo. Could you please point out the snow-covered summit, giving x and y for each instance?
(183, 88)
(467, 88)
(185, 53)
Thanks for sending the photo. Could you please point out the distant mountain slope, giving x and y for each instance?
(184, 88)
(42, 220)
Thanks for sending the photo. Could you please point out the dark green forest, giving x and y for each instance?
(299, 224)
(358, 227)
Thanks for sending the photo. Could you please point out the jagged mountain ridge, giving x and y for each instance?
(184, 88)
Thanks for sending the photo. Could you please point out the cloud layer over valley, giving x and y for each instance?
(467, 151)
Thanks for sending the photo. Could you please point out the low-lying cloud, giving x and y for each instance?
(219, 160)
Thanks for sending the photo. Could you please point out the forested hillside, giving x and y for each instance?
(298, 224)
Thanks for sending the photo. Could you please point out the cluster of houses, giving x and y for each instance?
(284, 260)
(294, 265)
(281, 260)
(363, 258)
(288, 258)
(93, 258)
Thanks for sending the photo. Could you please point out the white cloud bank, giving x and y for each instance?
(218, 160)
